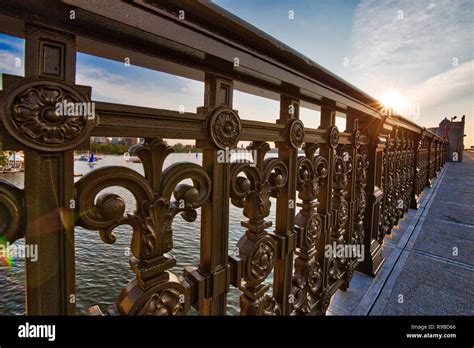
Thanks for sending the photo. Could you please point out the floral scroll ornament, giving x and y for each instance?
(251, 189)
(159, 196)
(307, 279)
(306, 284)
(313, 230)
(333, 136)
(342, 169)
(296, 133)
(261, 259)
(11, 212)
(356, 141)
(165, 303)
(31, 116)
(224, 127)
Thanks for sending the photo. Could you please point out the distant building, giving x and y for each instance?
(98, 140)
(115, 140)
(128, 141)
(454, 132)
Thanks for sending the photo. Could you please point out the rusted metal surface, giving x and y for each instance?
(351, 186)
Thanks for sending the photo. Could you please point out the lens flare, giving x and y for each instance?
(393, 100)
(7, 261)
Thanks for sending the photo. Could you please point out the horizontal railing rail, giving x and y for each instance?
(340, 188)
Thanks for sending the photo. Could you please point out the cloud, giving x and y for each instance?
(13, 44)
(423, 50)
(405, 43)
(8, 64)
(116, 88)
(454, 83)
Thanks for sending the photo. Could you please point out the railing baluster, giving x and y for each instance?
(215, 214)
(414, 202)
(352, 126)
(373, 259)
(49, 187)
(286, 203)
(325, 208)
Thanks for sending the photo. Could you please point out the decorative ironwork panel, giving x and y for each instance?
(308, 276)
(252, 191)
(154, 290)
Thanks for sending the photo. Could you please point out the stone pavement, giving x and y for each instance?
(429, 257)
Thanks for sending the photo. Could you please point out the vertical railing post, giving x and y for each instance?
(414, 201)
(429, 162)
(443, 154)
(285, 209)
(215, 213)
(373, 259)
(33, 122)
(49, 187)
(440, 146)
(405, 179)
(440, 154)
(438, 168)
(446, 152)
(327, 150)
(431, 166)
(396, 192)
(352, 126)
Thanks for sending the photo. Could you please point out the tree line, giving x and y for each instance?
(120, 149)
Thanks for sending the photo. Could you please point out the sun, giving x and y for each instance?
(393, 100)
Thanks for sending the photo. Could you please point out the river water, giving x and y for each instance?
(102, 270)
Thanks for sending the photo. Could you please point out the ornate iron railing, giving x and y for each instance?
(349, 187)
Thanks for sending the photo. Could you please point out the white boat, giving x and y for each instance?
(11, 170)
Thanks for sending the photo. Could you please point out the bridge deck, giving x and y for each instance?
(423, 274)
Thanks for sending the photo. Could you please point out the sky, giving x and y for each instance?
(415, 54)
